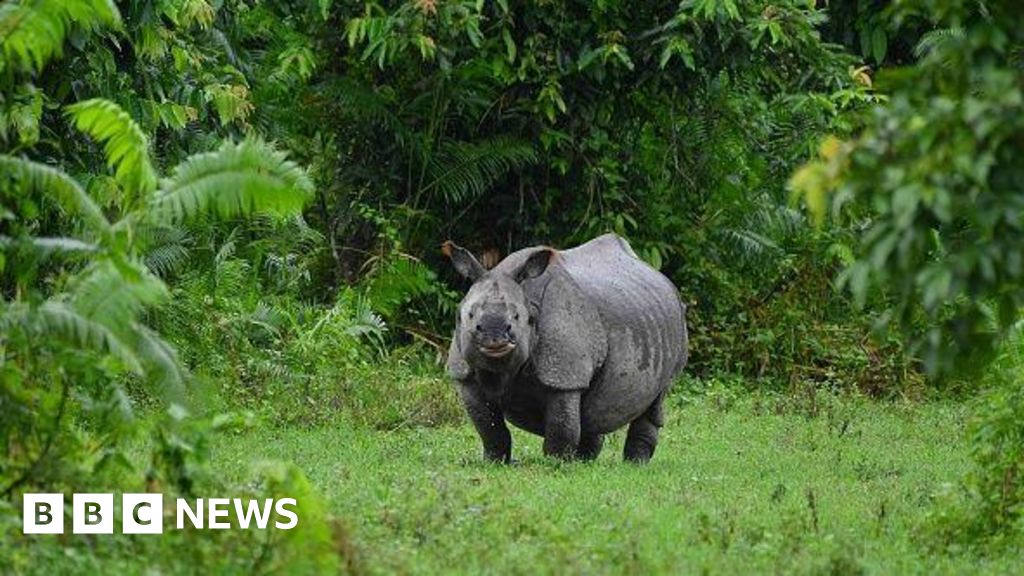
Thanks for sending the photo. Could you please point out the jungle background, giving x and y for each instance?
(220, 224)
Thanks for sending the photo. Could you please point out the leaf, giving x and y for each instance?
(879, 44)
(32, 33)
(510, 45)
(55, 320)
(238, 179)
(810, 183)
(464, 169)
(61, 188)
(115, 294)
(126, 146)
(45, 246)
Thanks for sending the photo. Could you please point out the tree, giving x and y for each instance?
(935, 183)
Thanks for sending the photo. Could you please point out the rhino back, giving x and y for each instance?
(645, 325)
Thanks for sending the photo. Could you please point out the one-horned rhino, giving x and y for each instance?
(569, 345)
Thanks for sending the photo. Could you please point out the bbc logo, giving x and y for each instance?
(93, 514)
(144, 513)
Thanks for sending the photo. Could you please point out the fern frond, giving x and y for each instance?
(125, 144)
(936, 40)
(750, 244)
(55, 320)
(63, 189)
(394, 281)
(33, 32)
(167, 259)
(464, 170)
(238, 179)
(166, 248)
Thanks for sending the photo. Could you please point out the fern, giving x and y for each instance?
(33, 32)
(166, 249)
(464, 170)
(749, 245)
(126, 146)
(60, 187)
(238, 179)
(938, 40)
(393, 281)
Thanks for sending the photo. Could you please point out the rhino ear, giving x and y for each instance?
(465, 263)
(536, 264)
(570, 339)
(458, 369)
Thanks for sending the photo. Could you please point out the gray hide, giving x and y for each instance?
(567, 344)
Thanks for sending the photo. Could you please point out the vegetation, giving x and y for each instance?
(219, 231)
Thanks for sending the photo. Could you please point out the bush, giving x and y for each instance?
(988, 508)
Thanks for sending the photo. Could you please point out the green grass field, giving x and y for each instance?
(741, 483)
(836, 487)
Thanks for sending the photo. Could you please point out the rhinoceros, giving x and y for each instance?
(567, 344)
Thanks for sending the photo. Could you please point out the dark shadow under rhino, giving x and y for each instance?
(570, 345)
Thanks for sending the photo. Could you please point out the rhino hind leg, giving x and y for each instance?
(642, 436)
(590, 446)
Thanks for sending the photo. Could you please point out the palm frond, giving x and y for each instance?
(115, 294)
(125, 144)
(33, 32)
(238, 179)
(63, 189)
(56, 320)
(464, 170)
(365, 322)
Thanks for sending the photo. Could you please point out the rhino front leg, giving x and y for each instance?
(489, 424)
(562, 424)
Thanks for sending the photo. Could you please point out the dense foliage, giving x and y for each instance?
(935, 182)
(674, 126)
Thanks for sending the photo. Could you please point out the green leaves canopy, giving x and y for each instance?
(938, 182)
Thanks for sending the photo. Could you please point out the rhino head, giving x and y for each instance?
(495, 327)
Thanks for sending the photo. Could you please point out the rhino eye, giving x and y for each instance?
(517, 317)
(470, 315)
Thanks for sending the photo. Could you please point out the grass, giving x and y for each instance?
(741, 483)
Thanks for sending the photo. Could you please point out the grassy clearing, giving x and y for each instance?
(738, 484)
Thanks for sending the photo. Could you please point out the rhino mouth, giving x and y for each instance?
(498, 350)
